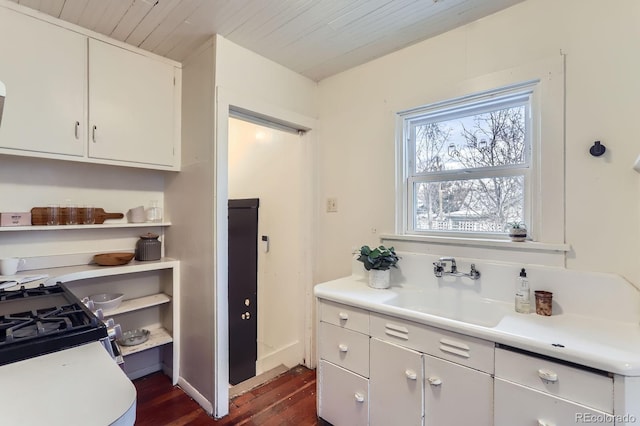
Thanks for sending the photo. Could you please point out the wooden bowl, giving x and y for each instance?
(113, 259)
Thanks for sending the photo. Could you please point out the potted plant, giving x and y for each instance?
(378, 262)
(517, 231)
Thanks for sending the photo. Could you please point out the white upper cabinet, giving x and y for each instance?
(78, 96)
(131, 106)
(43, 68)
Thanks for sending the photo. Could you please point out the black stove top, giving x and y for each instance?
(42, 320)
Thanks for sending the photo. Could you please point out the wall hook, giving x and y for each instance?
(597, 149)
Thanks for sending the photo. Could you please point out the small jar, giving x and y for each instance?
(148, 247)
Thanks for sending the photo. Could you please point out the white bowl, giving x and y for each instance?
(107, 301)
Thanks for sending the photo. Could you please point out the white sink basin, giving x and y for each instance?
(464, 308)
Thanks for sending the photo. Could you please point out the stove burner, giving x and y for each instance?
(34, 330)
(42, 320)
(24, 293)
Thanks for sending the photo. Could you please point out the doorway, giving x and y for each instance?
(266, 163)
(292, 309)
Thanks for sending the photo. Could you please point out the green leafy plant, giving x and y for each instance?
(517, 225)
(380, 258)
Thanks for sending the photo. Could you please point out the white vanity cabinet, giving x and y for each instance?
(402, 372)
(396, 390)
(534, 390)
(456, 368)
(44, 69)
(343, 376)
(457, 395)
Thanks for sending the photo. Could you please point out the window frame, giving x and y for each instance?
(525, 92)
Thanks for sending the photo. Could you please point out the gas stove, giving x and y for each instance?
(37, 321)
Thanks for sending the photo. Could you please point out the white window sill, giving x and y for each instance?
(531, 246)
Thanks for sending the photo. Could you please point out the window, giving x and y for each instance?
(468, 163)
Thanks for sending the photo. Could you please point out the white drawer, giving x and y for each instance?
(575, 384)
(346, 348)
(458, 348)
(519, 405)
(343, 397)
(344, 316)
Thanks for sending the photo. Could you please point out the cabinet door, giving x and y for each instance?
(343, 397)
(457, 395)
(131, 106)
(395, 382)
(44, 69)
(519, 405)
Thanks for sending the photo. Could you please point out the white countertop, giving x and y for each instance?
(77, 386)
(80, 272)
(588, 340)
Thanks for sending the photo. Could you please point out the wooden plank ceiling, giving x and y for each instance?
(317, 38)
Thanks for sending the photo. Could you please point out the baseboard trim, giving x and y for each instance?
(197, 396)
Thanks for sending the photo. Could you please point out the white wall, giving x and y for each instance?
(190, 201)
(30, 182)
(357, 113)
(218, 74)
(268, 164)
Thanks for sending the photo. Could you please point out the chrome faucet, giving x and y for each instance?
(439, 266)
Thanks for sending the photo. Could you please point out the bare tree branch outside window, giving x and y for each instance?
(482, 143)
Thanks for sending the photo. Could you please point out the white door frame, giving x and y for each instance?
(225, 99)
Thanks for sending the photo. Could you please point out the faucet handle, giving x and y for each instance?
(474, 274)
(438, 268)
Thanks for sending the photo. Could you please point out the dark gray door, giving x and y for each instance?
(243, 289)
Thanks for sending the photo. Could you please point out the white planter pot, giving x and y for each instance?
(379, 279)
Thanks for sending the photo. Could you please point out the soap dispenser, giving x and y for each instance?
(523, 293)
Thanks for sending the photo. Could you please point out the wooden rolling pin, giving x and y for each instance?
(39, 215)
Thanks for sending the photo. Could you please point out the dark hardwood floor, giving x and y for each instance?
(288, 399)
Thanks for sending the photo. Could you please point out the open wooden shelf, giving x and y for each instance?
(94, 226)
(139, 303)
(158, 337)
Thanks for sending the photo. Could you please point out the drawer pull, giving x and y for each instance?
(398, 328)
(543, 423)
(359, 397)
(435, 381)
(397, 334)
(343, 347)
(411, 375)
(548, 375)
(455, 344)
(343, 316)
(455, 351)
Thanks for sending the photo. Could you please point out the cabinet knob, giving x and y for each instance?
(543, 423)
(343, 316)
(435, 381)
(343, 347)
(359, 397)
(548, 375)
(411, 375)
